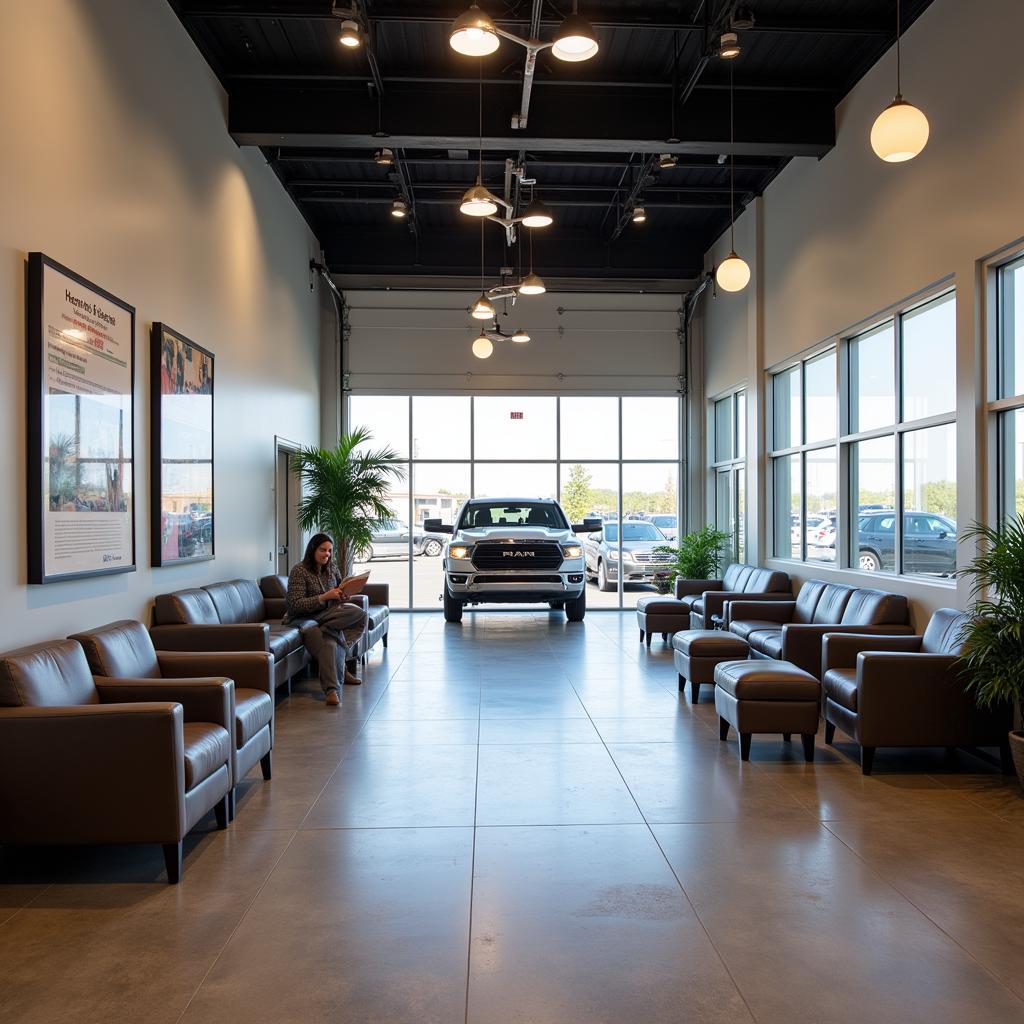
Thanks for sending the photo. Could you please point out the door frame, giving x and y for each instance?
(295, 539)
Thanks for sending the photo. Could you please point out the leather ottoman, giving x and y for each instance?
(767, 696)
(696, 652)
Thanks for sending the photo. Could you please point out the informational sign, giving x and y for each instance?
(81, 371)
(515, 415)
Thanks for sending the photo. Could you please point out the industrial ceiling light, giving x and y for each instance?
(733, 273)
(478, 201)
(520, 336)
(483, 346)
(667, 160)
(385, 157)
(900, 131)
(537, 215)
(639, 215)
(729, 46)
(532, 285)
(482, 309)
(399, 208)
(473, 34)
(575, 39)
(349, 34)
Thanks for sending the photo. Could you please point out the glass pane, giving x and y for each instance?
(873, 496)
(723, 430)
(872, 380)
(649, 505)
(929, 501)
(741, 508)
(594, 488)
(1011, 330)
(387, 419)
(440, 427)
(439, 489)
(741, 424)
(787, 516)
(515, 480)
(725, 506)
(820, 396)
(590, 428)
(786, 432)
(387, 559)
(929, 359)
(1011, 458)
(650, 428)
(514, 428)
(822, 524)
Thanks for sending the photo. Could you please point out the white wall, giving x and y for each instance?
(117, 163)
(842, 238)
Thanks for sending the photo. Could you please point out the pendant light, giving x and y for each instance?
(900, 131)
(520, 336)
(733, 273)
(349, 34)
(473, 34)
(532, 284)
(483, 308)
(537, 215)
(399, 209)
(575, 39)
(477, 201)
(483, 346)
(639, 215)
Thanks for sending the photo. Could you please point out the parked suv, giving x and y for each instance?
(513, 550)
(929, 542)
(641, 562)
(391, 540)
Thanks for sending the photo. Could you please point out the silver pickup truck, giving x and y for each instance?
(513, 551)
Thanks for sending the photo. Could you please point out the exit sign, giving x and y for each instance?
(515, 415)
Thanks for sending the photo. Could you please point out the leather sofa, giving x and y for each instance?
(907, 691)
(87, 760)
(229, 616)
(124, 649)
(793, 630)
(697, 602)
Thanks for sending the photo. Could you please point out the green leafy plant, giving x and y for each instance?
(993, 640)
(344, 492)
(699, 556)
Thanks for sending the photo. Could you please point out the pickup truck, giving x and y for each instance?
(513, 551)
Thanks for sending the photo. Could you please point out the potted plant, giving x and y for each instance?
(699, 556)
(993, 640)
(345, 491)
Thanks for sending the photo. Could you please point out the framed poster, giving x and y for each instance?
(181, 383)
(81, 470)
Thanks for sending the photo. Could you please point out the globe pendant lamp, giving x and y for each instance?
(732, 274)
(483, 346)
(900, 131)
(575, 40)
(473, 34)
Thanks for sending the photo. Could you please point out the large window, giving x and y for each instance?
(1009, 406)
(601, 456)
(728, 446)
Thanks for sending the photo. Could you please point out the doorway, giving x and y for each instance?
(287, 493)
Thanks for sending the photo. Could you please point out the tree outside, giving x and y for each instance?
(576, 494)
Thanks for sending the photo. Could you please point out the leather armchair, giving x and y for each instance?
(124, 650)
(87, 760)
(907, 691)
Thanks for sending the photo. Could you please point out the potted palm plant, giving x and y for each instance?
(344, 492)
(699, 556)
(993, 640)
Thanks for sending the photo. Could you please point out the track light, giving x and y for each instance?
(482, 309)
(483, 346)
(732, 274)
(473, 34)
(385, 157)
(639, 215)
(537, 215)
(520, 336)
(575, 39)
(667, 160)
(729, 46)
(399, 208)
(532, 285)
(349, 34)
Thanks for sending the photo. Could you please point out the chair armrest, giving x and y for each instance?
(686, 587)
(770, 611)
(202, 700)
(378, 593)
(215, 636)
(252, 670)
(715, 601)
(275, 607)
(840, 650)
(802, 641)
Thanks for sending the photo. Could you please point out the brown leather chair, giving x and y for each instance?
(793, 630)
(698, 602)
(124, 650)
(230, 616)
(907, 691)
(87, 760)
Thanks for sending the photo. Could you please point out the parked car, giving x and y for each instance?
(640, 562)
(823, 535)
(929, 542)
(666, 523)
(391, 540)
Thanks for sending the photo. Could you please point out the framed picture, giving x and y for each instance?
(80, 356)
(181, 381)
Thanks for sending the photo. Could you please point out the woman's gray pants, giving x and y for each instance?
(326, 640)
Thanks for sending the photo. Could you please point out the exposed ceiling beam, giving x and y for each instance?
(659, 203)
(458, 187)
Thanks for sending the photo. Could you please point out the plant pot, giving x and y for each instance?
(1017, 747)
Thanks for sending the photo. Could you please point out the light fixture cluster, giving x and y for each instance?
(474, 34)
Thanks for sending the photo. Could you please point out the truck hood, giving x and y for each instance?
(512, 533)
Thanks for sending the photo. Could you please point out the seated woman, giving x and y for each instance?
(314, 593)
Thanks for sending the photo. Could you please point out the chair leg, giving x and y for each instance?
(220, 809)
(1006, 758)
(723, 729)
(231, 804)
(641, 636)
(867, 760)
(808, 742)
(265, 764)
(744, 746)
(830, 732)
(172, 860)
(682, 683)
(650, 637)
(787, 737)
(664, 637)
(384, 639)
(694, 692)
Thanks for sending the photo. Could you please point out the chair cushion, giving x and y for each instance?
(832, 604)
(689, 600)
(253, 710)
(807, 600)
(185, 607)
(284, 640)
(274, 586)
(733, 575)
(697, 605)
(237, 601)
(874, 608)
(46, 675)
(207, 747)
(654, 605)
(841, 687)
(745, 627)
(377, 613)
(767, 642)
(766, 581)
(943, 635)
(708, 643)
(121, 650)
(761, 680)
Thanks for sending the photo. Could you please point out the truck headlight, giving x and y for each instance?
(572, 551)
(459, 551)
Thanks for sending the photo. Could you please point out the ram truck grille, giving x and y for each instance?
(535, 556)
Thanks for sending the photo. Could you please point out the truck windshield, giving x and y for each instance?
(521, 514)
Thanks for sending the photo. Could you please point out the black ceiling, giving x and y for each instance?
(594, 132)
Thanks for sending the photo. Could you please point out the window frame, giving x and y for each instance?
(999, 406)
(734, 466)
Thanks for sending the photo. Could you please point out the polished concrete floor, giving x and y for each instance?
(517, 821)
